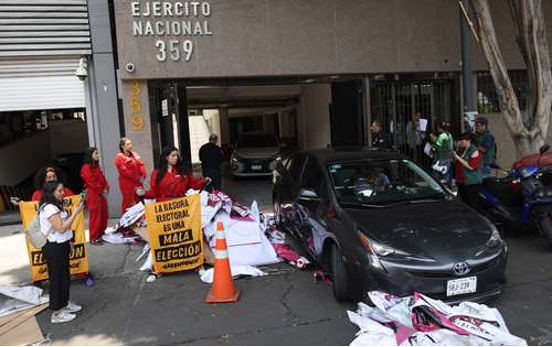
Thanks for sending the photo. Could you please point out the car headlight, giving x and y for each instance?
(495, 239)
(277, 157)
(375, 250)
(382, 250)
(235, 158)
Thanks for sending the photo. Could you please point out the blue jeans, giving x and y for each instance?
(486, 170)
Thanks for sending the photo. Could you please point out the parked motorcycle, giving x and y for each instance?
(522, 199)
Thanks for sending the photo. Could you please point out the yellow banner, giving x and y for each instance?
(79, 256)
(175, 234)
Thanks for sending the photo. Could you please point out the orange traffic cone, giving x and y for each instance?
(223, 287)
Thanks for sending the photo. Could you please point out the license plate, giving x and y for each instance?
(256, 167)
(462, 286)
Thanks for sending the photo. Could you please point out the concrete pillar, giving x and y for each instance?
(224, 126)
(137, 119)
(281, 123)
(467, 61)
(368, 114)
(301, 123)
(213, 117)
(314, 117)
(101, 96)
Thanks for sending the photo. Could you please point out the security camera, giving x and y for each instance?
(130, 67)
(82, 70)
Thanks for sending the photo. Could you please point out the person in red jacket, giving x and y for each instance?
(171, 179)
(96, 185)
(49, 173)
(132, 173)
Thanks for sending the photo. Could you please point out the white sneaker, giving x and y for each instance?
(62, 317)
(151, 278)
(72, 307)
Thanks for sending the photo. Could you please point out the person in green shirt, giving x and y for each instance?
(443, 148)
(487, 145)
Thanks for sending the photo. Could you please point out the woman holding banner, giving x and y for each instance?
(55, 224)
(54, 174)
(132, 173)
(48, 173)
(96, 186)
(171, 179)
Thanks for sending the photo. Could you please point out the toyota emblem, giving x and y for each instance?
(461, 269)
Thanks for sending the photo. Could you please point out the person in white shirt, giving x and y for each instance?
(55, 224)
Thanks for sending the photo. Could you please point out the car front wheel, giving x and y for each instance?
(339, 274)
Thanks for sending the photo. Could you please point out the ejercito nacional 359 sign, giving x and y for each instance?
(172, 23)
(167, 20)
(225, 39)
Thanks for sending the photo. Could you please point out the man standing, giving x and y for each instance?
(415, 137)
(379, 138)
(486, 145)
(210, 155)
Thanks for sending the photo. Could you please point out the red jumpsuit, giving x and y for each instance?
(38, 194)
(96, 184)
(131, 174)
(172, 185)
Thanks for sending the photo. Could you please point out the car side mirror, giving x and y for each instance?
(308, 194)
(544, 149)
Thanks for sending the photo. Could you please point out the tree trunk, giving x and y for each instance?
(529, 128)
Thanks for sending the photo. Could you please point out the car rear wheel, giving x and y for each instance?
(339, 274)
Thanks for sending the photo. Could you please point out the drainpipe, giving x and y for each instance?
(468, 101)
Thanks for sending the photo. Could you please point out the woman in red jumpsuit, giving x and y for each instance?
(49, 174)
(170, 179)
(96, 186)
(132, 173)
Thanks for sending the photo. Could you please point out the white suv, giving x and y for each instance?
(255, 155)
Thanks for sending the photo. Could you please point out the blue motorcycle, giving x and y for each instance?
(522, 200)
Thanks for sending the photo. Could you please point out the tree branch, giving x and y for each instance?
(528, 129)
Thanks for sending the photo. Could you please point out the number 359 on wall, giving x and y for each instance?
(175, 50)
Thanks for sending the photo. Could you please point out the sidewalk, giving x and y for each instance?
(10, 218)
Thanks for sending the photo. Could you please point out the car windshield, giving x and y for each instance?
(382, 182)
(258, 141)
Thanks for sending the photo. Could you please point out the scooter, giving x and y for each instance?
(522, 199)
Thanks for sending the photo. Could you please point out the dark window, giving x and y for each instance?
(257, 141)
(394, 102)
(15, 125)
(487, 99)
(382, 182)
(313, 177)
(295, 166)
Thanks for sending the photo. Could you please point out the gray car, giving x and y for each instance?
(255, 155)
(374, 220)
